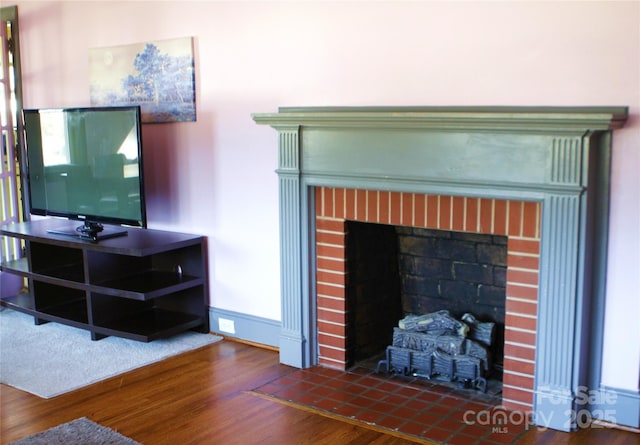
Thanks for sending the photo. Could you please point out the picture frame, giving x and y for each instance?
(157, 75)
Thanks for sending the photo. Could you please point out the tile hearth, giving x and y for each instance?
(417, 409)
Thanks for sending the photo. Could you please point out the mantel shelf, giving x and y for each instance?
(534, 119)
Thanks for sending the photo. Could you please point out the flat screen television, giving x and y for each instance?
(85, 164)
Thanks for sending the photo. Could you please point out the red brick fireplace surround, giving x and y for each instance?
(519, 220)
(539, 176)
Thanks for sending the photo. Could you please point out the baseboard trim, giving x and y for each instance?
(619, 406)
(248, 342)
(244, 327)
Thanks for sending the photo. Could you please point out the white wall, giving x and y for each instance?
(215, 176)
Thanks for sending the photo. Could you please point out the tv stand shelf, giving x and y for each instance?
(146, 285)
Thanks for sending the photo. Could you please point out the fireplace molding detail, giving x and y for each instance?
(557, 156)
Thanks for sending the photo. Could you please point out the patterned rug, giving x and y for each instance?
(77, 432)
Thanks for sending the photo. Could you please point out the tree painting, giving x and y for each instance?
(158, 76)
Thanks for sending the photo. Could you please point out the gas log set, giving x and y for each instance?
(437, 345)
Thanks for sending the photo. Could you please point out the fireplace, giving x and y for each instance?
(539, 176)
(518, 221)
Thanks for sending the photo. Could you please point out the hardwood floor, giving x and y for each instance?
(202, 397)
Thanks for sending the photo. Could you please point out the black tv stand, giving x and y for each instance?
(150, 284)
(91, 231)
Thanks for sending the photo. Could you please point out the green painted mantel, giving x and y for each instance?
(529, 119)
(559, 156)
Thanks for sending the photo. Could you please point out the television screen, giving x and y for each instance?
(86, 164)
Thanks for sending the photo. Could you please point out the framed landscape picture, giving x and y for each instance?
(159, 76)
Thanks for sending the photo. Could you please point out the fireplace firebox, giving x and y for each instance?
(546, 165)
(395, 272)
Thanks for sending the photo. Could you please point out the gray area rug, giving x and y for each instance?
(77, 432)
(52, 359)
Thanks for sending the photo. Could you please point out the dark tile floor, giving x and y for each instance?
(417, 408)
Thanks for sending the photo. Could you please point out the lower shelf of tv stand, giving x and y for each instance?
(150, 325)
(145, 326)
(73, 311)
(70, 314)
(20, 303)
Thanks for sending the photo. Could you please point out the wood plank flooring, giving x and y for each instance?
(202, 397)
